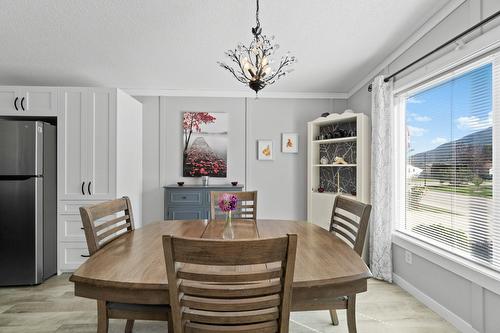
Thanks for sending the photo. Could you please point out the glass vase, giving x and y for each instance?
(228, 232)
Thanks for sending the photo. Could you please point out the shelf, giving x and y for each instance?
(333, 194)
(335, 165)
(337, 140)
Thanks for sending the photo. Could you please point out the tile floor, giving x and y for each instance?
(52, 307)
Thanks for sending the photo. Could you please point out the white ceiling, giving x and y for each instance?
(175, 44)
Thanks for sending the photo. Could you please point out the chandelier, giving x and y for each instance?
(253, 63)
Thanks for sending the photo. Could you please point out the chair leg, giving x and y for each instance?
(335, 318)
(129, 326)
(170, 322)
(351, 313)
(102, 317)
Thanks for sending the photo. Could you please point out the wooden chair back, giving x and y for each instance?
(246, 209)
(250, 293)
(350, 221)
(106, 221)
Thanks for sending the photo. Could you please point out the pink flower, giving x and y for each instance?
(228, 202)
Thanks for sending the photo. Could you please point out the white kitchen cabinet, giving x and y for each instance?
(8, 97)
(72, 139)
(88, 155)
(28, 101)
(101, 144)
(100, 158)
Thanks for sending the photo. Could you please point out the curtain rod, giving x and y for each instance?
(466, 32)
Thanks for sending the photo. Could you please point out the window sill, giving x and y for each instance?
(480, 275)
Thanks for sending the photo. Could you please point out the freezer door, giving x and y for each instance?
(21, 225)
(21, 148)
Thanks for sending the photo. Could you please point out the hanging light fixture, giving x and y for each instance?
(254, 67)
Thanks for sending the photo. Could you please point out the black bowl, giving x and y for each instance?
(180, 183)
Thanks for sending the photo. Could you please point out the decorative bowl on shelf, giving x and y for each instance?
(180, 183)
(234, 183)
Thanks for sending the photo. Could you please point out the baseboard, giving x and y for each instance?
(446, 314)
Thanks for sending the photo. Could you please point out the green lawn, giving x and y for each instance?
(484, 190)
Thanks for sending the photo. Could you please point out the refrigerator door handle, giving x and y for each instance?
(83, 188)
(39, 230)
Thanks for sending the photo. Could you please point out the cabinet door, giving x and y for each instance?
(101, 144)
(72, 148)
(39, 101)
(10, 100)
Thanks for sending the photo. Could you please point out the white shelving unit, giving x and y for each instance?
(319, 204)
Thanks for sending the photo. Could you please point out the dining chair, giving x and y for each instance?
(251, 293)
(102, 224)
(349, 222)
(246, 209)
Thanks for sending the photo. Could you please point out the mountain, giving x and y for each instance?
(474, 148)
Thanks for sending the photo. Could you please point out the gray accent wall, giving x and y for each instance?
(471, 307)
(281, 183)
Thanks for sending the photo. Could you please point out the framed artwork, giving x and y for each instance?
(290, 143)
(265, 150)
(205, 144)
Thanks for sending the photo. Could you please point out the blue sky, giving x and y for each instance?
(450, 110)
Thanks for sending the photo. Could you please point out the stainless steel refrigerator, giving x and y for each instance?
(28, 202)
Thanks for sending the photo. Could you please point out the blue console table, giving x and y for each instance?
(191, 202)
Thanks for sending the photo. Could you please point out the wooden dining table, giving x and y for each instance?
(131, 269)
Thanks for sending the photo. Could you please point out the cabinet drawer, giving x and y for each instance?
(73, 207)
(187, 213)
(184, 198)
(72, 255)
(71, 228)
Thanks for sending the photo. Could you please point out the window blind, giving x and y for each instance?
(451, 177)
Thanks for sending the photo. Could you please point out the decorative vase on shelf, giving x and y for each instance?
(323, 160)
(228, 232)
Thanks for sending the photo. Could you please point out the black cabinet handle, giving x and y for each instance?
(88, 188)
(83, 188)
(85, 255)
(82, 228)
(22, 104)
(184, 198)
(15, 103)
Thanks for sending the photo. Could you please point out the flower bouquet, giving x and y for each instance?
(227, 203)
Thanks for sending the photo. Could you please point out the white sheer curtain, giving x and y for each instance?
(382, 187)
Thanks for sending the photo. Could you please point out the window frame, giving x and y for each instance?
(434, 79)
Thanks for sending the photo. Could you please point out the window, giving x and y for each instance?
(449, 173)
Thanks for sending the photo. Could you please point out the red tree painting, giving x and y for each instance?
(205, 156)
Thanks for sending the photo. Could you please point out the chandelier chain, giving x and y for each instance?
(257, 15)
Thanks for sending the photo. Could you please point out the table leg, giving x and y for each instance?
(334, 317)
(351, 313)
(129, 326)
(102, 317)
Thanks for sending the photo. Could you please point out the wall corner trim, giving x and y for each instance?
(435, 306)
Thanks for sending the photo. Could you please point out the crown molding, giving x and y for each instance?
(233, 94)
(424, 29)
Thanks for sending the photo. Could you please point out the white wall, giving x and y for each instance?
(281, 183)
(464, 303)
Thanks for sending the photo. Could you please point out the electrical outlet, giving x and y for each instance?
(408, 257)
